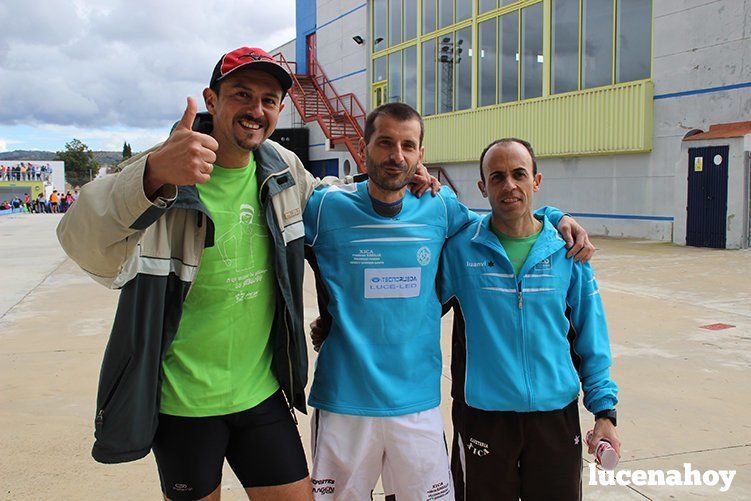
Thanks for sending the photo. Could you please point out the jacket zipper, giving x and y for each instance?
(520, 304)
(289, 365)
(201, 217)
(525, 363)
(291, 397)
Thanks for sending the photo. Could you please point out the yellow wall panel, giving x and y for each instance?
(601, 121)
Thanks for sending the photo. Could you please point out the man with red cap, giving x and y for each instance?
(204, 236)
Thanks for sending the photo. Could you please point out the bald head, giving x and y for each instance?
(508, 142)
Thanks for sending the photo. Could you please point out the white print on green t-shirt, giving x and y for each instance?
(238, 239)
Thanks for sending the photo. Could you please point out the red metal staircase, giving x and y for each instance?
(341, 117)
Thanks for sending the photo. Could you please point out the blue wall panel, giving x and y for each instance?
(323, 168)
(305, 24)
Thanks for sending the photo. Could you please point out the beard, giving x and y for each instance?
(250, 140)
(386, 180)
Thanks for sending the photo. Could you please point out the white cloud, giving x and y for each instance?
(109, 64)
(110, 138)
(6, 144)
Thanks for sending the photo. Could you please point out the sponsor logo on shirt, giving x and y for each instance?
(544, 265)
(392, 282)
(323, 485)
(439, 490)
(366, 256)
(423, 256)
(480, 264)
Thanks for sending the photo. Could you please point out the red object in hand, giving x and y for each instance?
(605, 454)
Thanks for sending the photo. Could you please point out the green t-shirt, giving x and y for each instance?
(220, 360)
(517, 248)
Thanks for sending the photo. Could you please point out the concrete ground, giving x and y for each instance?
(682, 386)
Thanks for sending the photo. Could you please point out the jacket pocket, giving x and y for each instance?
(111, 393)
(288, 211)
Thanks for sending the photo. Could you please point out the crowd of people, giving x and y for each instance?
(25, 171)
(57, 203)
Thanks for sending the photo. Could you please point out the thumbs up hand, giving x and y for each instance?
(185, 158)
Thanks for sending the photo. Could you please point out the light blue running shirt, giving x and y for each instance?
(382, 356)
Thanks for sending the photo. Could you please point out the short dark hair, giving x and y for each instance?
(399, 111)
(509, 140)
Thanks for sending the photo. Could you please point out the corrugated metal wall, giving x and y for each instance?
(592, 122)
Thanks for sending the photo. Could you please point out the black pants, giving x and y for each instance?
(510, 455)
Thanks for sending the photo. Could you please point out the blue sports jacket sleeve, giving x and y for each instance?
(591, 343)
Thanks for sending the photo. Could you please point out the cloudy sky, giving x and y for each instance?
(108, 71)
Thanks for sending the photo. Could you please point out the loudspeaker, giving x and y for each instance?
(295, 140)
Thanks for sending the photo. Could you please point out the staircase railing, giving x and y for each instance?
(440, 174)
(348, 104)
(341, 117)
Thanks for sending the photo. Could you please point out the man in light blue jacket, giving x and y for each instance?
(516, 374)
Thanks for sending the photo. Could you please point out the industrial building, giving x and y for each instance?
(617, 97)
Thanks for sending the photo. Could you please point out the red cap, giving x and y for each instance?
(245, 56)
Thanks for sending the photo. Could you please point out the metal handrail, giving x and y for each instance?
(437, 169)
(344, 112)
(320, 79)
(336, 105)
(290, 66)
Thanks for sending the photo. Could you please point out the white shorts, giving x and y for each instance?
(351, 452)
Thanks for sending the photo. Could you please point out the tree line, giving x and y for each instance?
(80, 165)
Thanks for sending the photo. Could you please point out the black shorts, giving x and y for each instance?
(262, 446)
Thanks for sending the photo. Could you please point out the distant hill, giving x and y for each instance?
(27, 155)
(103, 157)
(108, 157)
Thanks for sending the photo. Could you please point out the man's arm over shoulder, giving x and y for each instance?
(575, 236)
(102, 229)
(592, 343)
